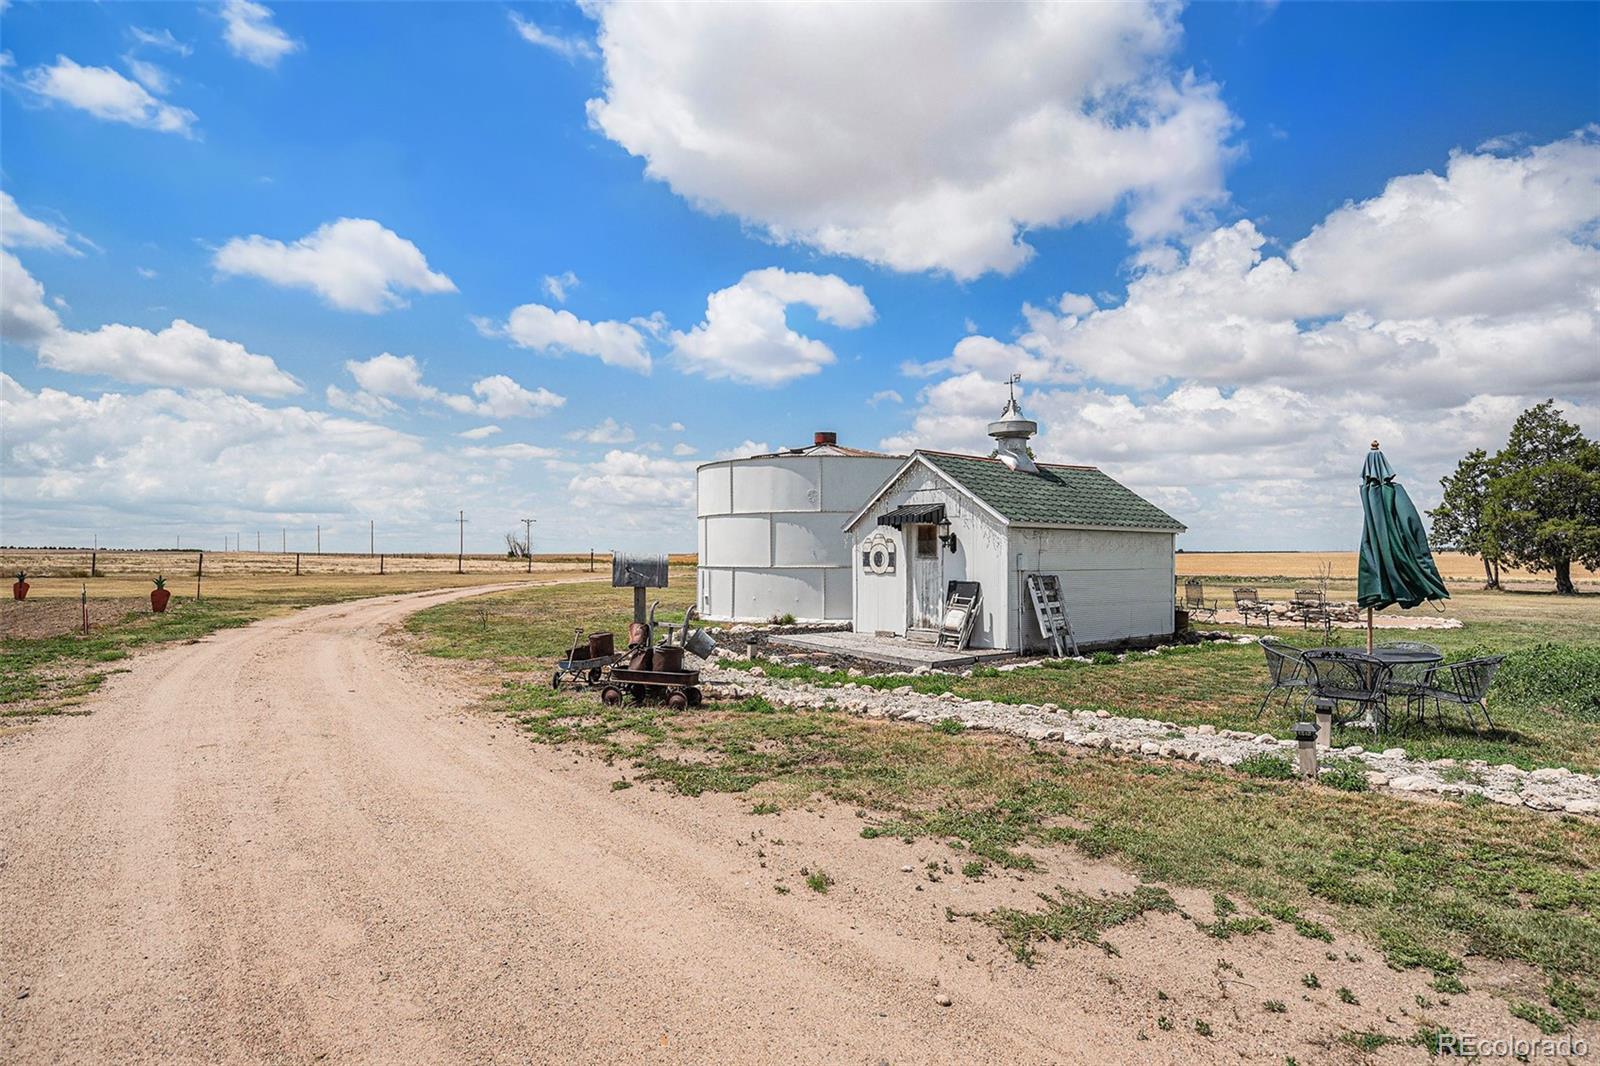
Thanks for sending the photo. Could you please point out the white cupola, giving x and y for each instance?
(1011, 432)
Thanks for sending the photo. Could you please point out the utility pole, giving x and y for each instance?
(319, 538)
(285, 548)
(461, 542)
(258, 542)
(372, 538)
(527, 540)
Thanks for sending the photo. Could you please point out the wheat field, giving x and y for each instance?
(1453, 566)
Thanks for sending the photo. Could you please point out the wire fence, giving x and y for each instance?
(119, 562)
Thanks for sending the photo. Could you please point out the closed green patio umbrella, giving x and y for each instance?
(1396, 564)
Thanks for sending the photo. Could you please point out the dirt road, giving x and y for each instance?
(282, 844)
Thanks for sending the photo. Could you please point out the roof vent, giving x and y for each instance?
(823, 436)
(1011, 432)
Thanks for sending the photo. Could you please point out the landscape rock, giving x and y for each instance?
(1552, 789)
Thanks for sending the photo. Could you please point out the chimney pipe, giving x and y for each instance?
(823, 436)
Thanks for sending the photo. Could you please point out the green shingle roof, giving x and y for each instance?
(1056, 495)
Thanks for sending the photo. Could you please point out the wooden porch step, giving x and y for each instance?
(923, 636)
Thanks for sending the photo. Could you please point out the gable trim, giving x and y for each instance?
(951, 485)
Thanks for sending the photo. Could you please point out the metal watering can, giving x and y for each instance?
(698, 642)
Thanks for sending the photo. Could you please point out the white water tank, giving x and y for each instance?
(772, 539)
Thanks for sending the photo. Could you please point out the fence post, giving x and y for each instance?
(200, 568)
(93, 567)
(296, 564)
(380, 564)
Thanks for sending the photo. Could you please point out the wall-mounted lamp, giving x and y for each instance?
(947, 536)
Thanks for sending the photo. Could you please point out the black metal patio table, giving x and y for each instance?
(1407, 656)
(1409, 670)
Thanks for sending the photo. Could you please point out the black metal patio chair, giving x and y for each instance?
(1195, 602)
(1286, 672)
(1464, 684)
(1247, 603)
(1351, 677)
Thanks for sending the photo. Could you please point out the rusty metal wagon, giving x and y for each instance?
(588, 662)
(677, 688)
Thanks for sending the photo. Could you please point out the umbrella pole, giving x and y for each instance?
(1369, 630)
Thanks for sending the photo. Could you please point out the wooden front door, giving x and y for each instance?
(926, 566)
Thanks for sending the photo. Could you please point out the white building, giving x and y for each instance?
(772, 539)
(941, 518)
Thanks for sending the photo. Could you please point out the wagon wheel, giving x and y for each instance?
(611, 696)
(640, 694)
(595, 673)
(678, 700)
(555, 680)
(696, 698)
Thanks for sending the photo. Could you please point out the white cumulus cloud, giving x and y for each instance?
(500, 397)
(18, 230)
(625, 482)
(183, 355)
(385, 378)
(568, 48)
(546, 329)
(606, 431)
(1438, 288)
(107, 95)
(354, 264)
(557, 286)
(746, 335)
(24, 316)
(926, 137)
(1237, 382)
(250, 34)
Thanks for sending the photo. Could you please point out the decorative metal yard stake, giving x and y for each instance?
(1324, 723)
(1305, 735)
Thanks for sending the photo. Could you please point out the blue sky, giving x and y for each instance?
(1419, 183)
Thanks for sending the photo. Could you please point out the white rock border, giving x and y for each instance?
(1555, 790)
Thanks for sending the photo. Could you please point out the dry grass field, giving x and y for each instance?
(127, 575)
(1453, 566)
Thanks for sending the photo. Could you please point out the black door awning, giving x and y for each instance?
(913, 514)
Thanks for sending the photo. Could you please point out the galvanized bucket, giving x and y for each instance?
(700, 643)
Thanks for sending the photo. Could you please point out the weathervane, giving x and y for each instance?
(1011, 382)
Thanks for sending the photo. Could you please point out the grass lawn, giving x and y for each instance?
(1546, 702)
(49, 674)
(1428, 885)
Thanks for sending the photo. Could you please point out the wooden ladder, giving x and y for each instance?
(1051, 611)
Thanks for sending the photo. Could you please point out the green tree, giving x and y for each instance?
(1458, 523)
(1543, 505)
